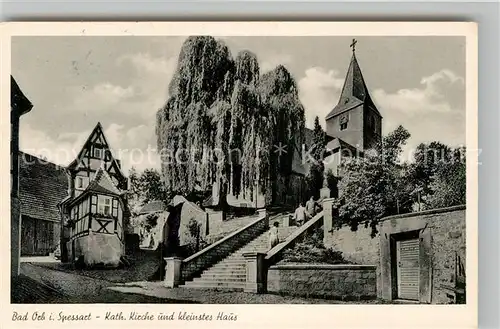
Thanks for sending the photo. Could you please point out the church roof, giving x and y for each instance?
(354, 93)
(153, 206)
(337, 143)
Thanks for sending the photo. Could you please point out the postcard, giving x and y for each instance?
(240, 174)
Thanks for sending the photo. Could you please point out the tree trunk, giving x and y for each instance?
(222, 204)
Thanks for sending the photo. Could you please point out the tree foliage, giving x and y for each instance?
(222, 119)
(379, 184)
(145, 187)
(447, 185)
(372, 186)
(316, 174)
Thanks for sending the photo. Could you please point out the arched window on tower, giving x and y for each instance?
(343, 121)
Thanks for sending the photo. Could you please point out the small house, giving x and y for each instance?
(95, 212)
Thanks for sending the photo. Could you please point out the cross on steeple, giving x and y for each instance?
(353, 45)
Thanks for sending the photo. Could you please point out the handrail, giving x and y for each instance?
(221, 241)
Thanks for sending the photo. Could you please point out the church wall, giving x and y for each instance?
(372, 128)
(354, 132)
(333, 162)
(243, 200)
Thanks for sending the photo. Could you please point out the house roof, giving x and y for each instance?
(42, 185)
(97, 130)
(102, 183)
(354, 92)
(153, 206)
(19, 103)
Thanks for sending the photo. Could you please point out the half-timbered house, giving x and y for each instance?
(95, 212)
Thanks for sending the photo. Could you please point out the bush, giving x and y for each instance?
(312, 250)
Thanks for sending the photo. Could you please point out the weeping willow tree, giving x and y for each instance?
(280, 100)
(222, 121)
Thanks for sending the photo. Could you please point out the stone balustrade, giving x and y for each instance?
(181, 271)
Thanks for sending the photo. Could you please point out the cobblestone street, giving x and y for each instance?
(85, 289)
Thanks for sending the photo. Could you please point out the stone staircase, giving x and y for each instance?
(230, 273)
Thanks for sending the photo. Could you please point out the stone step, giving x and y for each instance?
(221, 278)
(230, 272)
(230, 261)
(222, 288)
(229, 266)
(215, 284)
(212, 271)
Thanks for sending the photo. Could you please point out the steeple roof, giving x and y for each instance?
(354, 93)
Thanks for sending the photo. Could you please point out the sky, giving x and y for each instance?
(74, 82)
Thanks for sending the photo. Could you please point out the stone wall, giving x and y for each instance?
(442, 239)
(191, 211)
(356, 246)
(218, 229)
(344, 282)
(98, 248)
(442, 236)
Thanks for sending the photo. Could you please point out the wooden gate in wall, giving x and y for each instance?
(408, 268)
(37, 237)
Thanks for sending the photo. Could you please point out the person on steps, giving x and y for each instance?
(311, 207)
(300, 215)
(273, 236)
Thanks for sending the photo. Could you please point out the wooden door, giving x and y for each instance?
(408, 268)
(28, 236)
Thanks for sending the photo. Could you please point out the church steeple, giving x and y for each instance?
(355, 119)
(354, 92)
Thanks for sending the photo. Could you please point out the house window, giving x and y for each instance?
(343, 126)
(81, 183)
(98, 153)
(104, 205)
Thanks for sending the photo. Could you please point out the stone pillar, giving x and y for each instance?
(256, 280)
(325, 193)
(263, 212)
(173, 272)
(327, 217)
(287, 220)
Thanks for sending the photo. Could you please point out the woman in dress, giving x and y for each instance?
(273, 236)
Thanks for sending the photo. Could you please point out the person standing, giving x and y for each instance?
(273, 236)
(300, 215)
(311, 207)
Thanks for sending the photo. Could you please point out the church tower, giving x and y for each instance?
(355, 120)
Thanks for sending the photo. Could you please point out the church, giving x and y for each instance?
(354, 124)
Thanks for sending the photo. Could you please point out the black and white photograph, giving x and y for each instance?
(252, 169)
